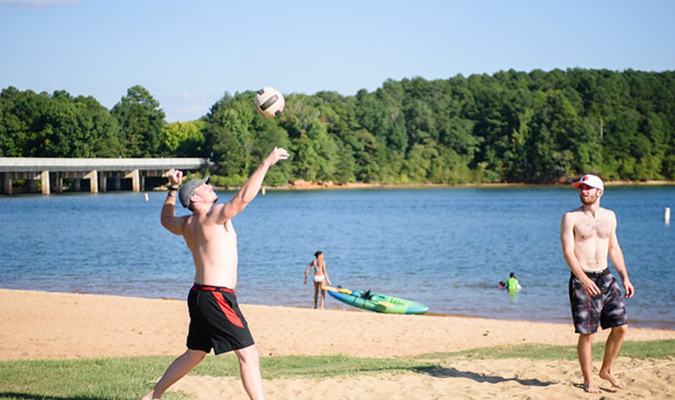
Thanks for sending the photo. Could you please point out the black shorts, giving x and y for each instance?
(606, 309)
(216, 321)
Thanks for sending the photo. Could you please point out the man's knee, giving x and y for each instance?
(248, 354)
(196, 355)
(620, 330)
(586, 337)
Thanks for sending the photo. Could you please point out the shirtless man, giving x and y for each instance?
(215, 319)
(588, 236)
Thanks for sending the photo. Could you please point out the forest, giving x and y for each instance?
(510, 127)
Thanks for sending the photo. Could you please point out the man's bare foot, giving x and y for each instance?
(591, 387)
(150, 395)
(609, 377)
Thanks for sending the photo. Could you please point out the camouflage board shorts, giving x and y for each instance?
(606, 309)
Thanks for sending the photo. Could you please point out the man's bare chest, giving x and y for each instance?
(589, 228)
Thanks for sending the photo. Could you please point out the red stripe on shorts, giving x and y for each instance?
(229, 312)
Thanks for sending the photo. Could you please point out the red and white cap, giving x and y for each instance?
(591, 181)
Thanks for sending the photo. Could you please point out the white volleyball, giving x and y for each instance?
(269, 102)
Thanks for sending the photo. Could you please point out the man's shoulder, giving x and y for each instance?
(182, 218)
(606, 213)
(175, 224)
(574, 213)
(216, 215)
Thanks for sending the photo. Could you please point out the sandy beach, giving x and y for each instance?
(40, 325)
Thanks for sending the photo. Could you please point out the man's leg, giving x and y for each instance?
(249, 366)
(180, 366)
(612, 347)
(585, 352)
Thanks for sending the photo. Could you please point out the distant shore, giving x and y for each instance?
(300, 184)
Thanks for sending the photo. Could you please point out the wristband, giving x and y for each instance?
(172, 188)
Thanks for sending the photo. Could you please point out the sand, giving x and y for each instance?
(40, 325)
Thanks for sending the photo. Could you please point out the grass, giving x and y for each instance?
(637, 350)
(130, 378)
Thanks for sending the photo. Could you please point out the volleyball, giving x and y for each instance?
(269, 102)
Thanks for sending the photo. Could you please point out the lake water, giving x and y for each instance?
(445, 247)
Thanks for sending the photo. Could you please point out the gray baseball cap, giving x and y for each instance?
(188, 189)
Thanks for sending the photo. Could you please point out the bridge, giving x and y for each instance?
(101, 174)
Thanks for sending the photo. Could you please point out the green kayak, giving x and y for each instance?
(377, 302)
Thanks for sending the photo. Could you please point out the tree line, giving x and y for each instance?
(536, 127)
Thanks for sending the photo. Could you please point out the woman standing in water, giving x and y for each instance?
(320, 277)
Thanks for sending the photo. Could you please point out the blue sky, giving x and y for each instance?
(189, 53)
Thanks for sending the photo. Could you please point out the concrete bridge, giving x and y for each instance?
(101, 174)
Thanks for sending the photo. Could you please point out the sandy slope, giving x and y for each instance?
(36, 325)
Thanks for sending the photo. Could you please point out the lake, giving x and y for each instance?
(445, 247)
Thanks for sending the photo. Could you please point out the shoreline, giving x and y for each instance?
(337, 306)
(48, 325)
(300, 184)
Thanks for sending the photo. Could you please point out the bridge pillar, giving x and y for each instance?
(58, 182)
(44, 176)
(135, 180)
(93, 181)
(103, 182)
(7, 183)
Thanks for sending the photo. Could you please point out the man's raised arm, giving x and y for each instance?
(251, 188)
(168, 218)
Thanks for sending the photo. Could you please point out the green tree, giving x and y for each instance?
(59, 125)
(511, 126)
(140, 119)
(22, 122)
(184, 139)
(267, 140)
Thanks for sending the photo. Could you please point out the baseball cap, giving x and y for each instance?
(590, 180)
(188, 190)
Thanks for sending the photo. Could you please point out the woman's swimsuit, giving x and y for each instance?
(317, 269)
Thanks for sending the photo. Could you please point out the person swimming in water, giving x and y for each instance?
(320, 277)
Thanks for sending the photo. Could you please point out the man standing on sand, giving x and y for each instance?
(215, 319)
(588, 236)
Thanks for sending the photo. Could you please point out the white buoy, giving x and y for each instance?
(666, 215)
(146, 197)
(263, 191)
